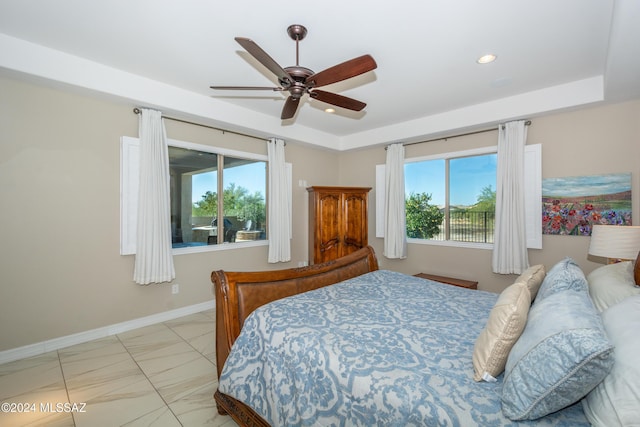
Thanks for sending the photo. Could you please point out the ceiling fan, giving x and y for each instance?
(299, 80)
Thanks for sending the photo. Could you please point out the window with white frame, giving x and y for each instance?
(218, 196)
(450, 198)
(207, 186)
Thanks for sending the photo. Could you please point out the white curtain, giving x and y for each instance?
(510, 242)
(154, 260)
(279, 204)
(395, 234)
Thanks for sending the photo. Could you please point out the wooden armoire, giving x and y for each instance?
(337, 221)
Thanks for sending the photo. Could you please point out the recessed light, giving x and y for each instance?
(329, 110)
(485, 59)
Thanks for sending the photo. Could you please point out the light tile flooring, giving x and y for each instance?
(159, 375)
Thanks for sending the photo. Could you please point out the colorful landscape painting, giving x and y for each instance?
(572, 205)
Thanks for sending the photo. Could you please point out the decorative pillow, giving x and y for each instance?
(614, 402)
(533, 277)
(562, 354)
(610, 284)
(506, 322)
(566, 274)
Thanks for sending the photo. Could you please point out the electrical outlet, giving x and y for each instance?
(302, 263)
(175, 288)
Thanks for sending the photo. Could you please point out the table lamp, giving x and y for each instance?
(615, 242)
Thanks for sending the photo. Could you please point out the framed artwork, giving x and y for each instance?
(572, 205)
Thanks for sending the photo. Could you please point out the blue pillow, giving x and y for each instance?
(566, 274)
(562, 354)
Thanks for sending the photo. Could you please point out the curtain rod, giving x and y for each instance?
(527, 123)
(136, 110)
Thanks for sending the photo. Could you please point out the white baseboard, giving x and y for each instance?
(81, 337)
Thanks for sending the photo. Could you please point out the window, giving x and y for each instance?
(450, 198)
(207, 186)
(207, 183)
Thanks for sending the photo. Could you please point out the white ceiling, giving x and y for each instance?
(552, 55)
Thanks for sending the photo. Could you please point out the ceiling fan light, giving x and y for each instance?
(485, 59)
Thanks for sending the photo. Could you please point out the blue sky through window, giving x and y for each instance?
(250, 176)
(468, 176)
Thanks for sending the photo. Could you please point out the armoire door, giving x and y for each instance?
(337, 221)
(329, 228)
(354, 221)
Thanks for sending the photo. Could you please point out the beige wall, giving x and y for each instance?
(60, 268)
(589, 141)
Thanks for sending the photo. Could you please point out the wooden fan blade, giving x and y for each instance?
(346, 70)
(290, 108)
(276, 89)
(264, 58)
(338, 100)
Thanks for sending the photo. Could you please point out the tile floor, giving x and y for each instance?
(160, 375)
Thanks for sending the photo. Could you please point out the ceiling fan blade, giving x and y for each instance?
(338, 100)
(264, 58)
(290, 108)
(276, 89)
(346, 70)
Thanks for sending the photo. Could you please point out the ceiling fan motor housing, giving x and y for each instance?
(299, 74)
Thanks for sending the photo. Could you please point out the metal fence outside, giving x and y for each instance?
(465, 226)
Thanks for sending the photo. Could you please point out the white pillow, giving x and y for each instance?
(533, 277)
(616, 400)
(504, 326)
(610, 284)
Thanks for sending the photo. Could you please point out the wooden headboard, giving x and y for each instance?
(636, 270)
(240, 293)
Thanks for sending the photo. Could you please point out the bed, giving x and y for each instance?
(344, 343)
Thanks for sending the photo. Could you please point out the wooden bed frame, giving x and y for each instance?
(240, 293)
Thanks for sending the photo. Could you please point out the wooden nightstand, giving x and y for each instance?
(469, 284)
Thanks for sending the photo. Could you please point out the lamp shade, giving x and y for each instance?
(615, 241)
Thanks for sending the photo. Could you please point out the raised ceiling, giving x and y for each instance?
(551, 55)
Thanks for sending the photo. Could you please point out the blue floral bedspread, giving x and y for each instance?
(381, 349)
